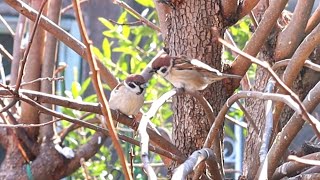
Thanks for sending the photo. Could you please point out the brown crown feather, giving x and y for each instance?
(163, 60)
(138, 79)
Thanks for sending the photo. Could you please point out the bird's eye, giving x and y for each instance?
(163, 70)
(132, 85)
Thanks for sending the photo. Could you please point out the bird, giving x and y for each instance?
(128, 96)
(186, 73)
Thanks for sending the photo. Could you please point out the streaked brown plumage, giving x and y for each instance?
(190, 74)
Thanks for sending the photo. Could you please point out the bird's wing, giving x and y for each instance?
(194, 64)
(118, 87)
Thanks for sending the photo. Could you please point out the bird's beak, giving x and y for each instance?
(152, 71)
(143, 86)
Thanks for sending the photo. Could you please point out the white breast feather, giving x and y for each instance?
(127, 102)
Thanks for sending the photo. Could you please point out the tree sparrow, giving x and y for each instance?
(128, 96)
(189, 74)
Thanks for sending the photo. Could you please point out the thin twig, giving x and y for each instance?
(307, 63)
(43, 79)
(2, 73)
(136, 23)
(28, 125)
(254, 20)
(85, 169)
(267, 134)
(72, 127)
(70, 6)
(99, 90)
(24, 59)
(292, 167)
(131, 154)
(137, 15)
(4, 52)
(239, 123)
(294, 96)
(248, 117)
(7, 25)
(304, 161)
(218, 122)
(93, 108)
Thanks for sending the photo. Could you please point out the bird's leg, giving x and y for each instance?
(115, 121)
(135, 121)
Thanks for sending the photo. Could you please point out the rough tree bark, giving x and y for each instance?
(190, 33)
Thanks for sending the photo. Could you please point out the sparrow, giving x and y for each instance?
(186, 73)
(128, 96)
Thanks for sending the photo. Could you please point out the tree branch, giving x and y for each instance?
(4, 52)
(267, 134)
(289, 39)
(205, 154)
(297, 62)
(241, 64)
(99, 90)
(62, 35)
(136, 14)
(48, 68)
(289, 168)
(313, 21)
(246, 7)
(307, 63)
(289, 131)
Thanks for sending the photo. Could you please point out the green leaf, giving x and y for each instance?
(85, 85)
(97, 52)
(106, 23)
(126, 31)
(106, 48)
(75, 89)
(146, 3)
(123, 17)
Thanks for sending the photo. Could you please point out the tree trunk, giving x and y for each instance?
(190, 34)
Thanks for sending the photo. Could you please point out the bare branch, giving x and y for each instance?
(313, 21)
(254, 20)
(267, 134)
(248, 117)
(289, 39)
(136, 14)
(42, 79)
(85, 169)
(297, 62)
(28, 125)
(307, 63)
(4, 52)
(293, 166)
(229, 8)
(246, 7)
(194, 160)
(284, 87)
(310, 162)
(241, 124)
(241, 64)
(48, 68)
(60, 34)
(144, 141)
(69, 7)
(99, 90)
(289, 131)
(7, 25)
(24, 59)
